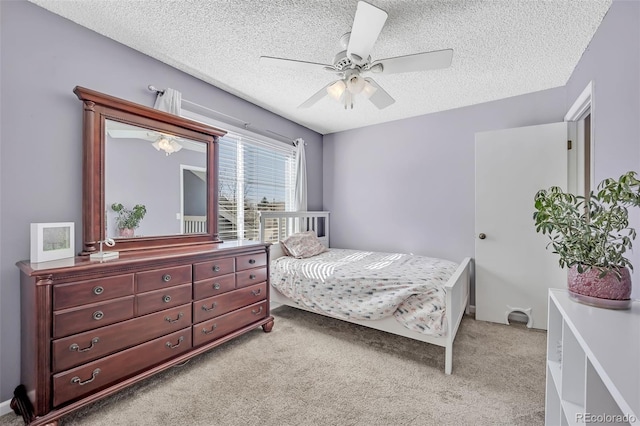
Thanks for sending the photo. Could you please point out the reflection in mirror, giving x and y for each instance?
(164, 174)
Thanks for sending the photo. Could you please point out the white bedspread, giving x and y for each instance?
(351, 284)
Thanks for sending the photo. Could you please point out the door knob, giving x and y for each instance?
(482, 236)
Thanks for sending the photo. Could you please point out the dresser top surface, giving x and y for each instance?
(611, 340)
(231, 248)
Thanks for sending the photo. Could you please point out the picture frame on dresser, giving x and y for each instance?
(52, 241)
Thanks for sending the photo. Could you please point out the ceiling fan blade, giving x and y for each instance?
(365, 30)
(416, 62)
(379, 98)
(294, 64)
(316, 97)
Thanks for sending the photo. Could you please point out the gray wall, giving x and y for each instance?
(409, 185)
(43, 58)
(612, 64)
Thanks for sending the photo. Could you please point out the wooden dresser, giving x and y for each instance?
(91, 328)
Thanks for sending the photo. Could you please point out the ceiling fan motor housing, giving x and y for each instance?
(341, 61)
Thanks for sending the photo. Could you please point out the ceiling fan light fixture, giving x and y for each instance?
(355, 84)
(166, 144)
(369, 89)
(336, 90)
(348, 100)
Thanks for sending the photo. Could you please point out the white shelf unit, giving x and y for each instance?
(593, 363)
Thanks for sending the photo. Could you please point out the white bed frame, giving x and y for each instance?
(457, 288)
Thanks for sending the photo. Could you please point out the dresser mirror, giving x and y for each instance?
(149, 177)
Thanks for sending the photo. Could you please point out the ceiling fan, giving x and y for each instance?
(351, 63)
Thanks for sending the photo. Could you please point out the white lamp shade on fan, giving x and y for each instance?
(355, 84)
(166, 144)
(336, 90)
(368, 89)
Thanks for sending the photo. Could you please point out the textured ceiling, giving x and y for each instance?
(502, 48)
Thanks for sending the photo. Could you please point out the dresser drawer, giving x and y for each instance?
(84, 347)
(161, 278)
(228, 323)
(74, 320)
(91, 291)
(214, 286)
(251, 261)
(218, 305)
(162, 299)
(98, 374)
(214, 268)
(250, 277)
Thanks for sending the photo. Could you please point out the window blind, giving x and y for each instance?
(255, 174)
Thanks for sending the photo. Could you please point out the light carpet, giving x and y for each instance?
(313, 370)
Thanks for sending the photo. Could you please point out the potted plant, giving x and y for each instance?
(128, 219)
(591, 235)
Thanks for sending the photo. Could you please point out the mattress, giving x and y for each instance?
(363, 285)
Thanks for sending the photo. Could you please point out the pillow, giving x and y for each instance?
(302, 245)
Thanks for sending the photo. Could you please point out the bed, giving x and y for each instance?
(416, 297)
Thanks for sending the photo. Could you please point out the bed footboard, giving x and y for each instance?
(457, 302)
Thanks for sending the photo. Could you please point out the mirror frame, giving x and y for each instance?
(98, 107)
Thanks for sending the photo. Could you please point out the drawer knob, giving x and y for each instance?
(98, 315)
(216, 286)
(166, 278)
(77, 380)
(98, 290)
(76, 347)
(257, 312)
(213, 327)
(166, 299)
(252, 277)
(171, 346)
(252, 261)
(213, 306)
(216, 268)
(171, 321)
(256, 292)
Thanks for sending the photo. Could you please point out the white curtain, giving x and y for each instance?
(300, 200)
(169, 101)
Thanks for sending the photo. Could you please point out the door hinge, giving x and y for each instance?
(568, 145)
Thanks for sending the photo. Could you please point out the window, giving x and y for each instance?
(255, 174)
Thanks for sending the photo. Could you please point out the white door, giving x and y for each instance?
(513, 267)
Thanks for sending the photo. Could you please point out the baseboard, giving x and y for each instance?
(515, 316)
(5, 407)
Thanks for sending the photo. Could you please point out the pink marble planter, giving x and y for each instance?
(126, 232)
(606, 292)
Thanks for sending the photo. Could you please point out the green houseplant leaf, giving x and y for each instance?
(129, 218)
(593, 231)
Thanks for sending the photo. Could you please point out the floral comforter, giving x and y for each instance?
(352, 284)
